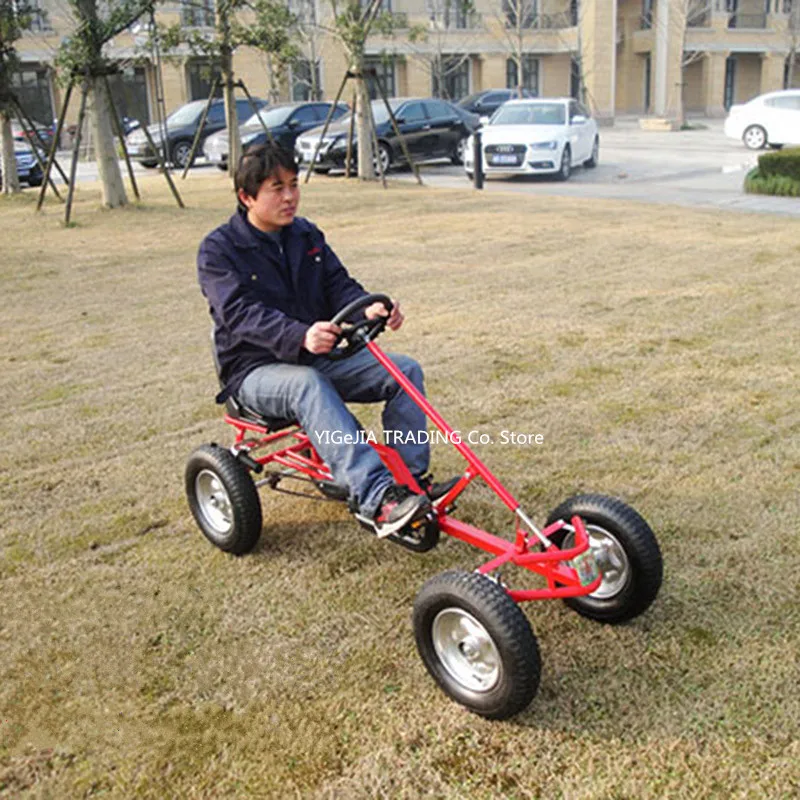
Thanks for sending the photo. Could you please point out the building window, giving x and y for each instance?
(37, 16)
(32, 88)
(304, 88)
(520, 13)
(530, 74)
(647, 15)
(451, 77)
(201, 75)
(384, 67)
(129, 93)
(445, 14)
(197, 13)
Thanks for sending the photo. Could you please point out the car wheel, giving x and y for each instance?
(222, 167)
(591, 162)
(775, 146)
(566, 165)
(180, 154)
(35, 181)
(385, 156)
(149, 164)
(322, 170)
(458, 154)
(754, 137)
(470, 175)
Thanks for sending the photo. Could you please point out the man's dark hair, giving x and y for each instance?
(259, 162)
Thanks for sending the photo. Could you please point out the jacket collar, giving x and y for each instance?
(245, 239)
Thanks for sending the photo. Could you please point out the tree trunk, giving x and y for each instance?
(231, 119)
(366, 170)
(113, 189)
(10, 177)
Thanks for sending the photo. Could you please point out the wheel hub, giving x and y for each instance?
(466, 650)
(214, 502)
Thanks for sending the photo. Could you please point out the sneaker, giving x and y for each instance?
(436, 490)
(399, 507)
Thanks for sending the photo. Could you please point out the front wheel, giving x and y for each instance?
(566, 165)
(591, 162)
(477, 644)
(755, 137)
(385, 156)
(180, 154)
(457, 158)
(626, 552)
(223, 499)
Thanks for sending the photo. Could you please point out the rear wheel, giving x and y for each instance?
(385, 156)
(477, 644)
(223, 499)
(755, 137)
(626, 552)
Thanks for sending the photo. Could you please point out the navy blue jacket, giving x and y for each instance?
(262, 303)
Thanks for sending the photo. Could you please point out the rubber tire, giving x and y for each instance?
(470, 175)
(561, 175)
(322, 170)
(591, 162)
(35, 182)
(383, 148)
(640, 545)
(222, 167)
(242, 493)
(754, 128)
(176, 149)
(456, 159)
(149, 164)
(506, 624)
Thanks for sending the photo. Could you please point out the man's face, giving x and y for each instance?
(276, 202)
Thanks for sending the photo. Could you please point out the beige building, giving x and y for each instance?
(641, 57)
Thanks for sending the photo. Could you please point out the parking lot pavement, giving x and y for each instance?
(697, 168)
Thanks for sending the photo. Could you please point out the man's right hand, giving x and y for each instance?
(321, 337)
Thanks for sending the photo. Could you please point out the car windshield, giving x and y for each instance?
(187, 114)
(468, 101)
(272, 117)
(531, 114)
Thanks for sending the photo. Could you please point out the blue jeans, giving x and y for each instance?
(315, 396)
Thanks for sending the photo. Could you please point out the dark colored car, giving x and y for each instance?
(28, 169)
(431, 128)
(485, 103)
(26, 134)
(181, 127)
(285, 123)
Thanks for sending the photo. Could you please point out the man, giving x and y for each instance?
(273, 284)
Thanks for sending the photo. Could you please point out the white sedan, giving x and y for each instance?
(537, 137)
(770, 119)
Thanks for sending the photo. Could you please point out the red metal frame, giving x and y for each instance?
(528, 550)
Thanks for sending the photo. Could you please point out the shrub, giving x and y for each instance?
(783, 162)
(757, 182)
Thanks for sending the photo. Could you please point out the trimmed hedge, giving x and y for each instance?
(781, 162)
(757, 182)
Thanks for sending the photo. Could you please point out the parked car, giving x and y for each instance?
(771, 119)
(432, 128)
(537, 137)
(285, 123)
(181, 127)
(26, 134)
(28, 169)
(485, 103)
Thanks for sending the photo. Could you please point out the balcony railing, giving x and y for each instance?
(700, 19)
(454, 20)
(646, 21)
(747, 21)
(543, 22)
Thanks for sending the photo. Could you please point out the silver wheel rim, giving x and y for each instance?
(754, 138)
(384, 157)
(466, 650)
(612, 561)
(462, 145)
(214, 502)
(182, 154)
(596, 151)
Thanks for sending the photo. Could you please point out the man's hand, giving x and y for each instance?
(379, 310)
(321, 337)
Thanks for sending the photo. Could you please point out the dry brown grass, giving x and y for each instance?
(656, 350)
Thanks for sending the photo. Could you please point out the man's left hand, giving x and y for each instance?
(379, 310)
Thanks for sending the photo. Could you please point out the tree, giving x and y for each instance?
(14, 18)
(80, 58)
(269, 32)
(793, 37)
(515, 20)
(687, 14)
(431, 43)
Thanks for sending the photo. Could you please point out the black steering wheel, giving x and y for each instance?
(355, 337)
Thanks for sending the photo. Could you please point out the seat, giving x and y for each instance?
(238, 410)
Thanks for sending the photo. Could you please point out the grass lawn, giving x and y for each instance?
(656, 349)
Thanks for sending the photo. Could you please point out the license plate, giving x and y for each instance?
(512, 159)
(586, 566)
(23, 173)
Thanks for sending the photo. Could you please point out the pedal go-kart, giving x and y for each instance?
(594, 552)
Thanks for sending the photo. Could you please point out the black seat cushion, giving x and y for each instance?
(238, 411)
